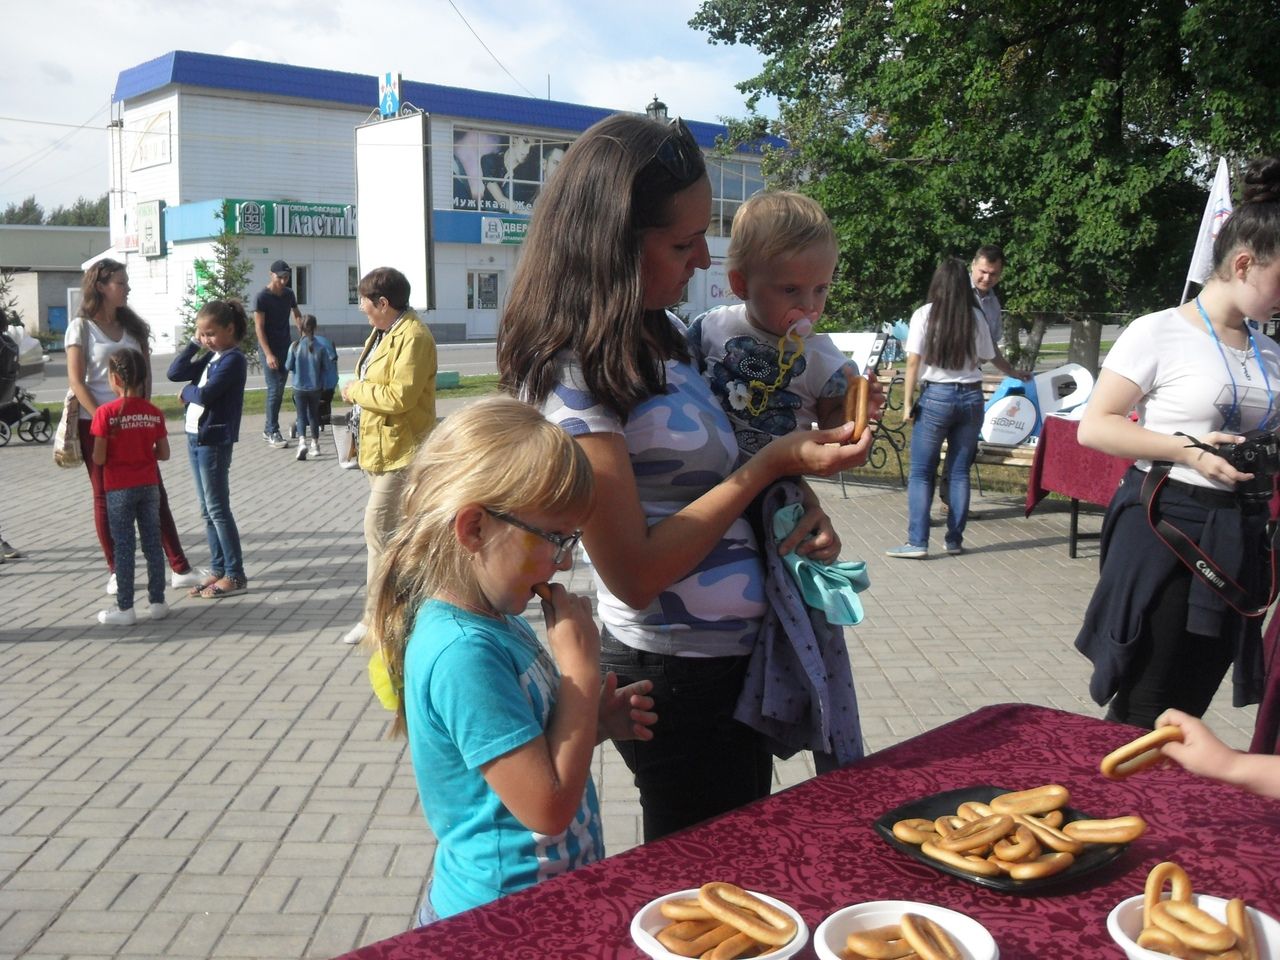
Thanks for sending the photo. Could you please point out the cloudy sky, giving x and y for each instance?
(59, 60)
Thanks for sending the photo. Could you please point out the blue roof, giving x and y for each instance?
(361, 90)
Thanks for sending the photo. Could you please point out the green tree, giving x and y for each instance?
(223, 276)
(82, 213)
(27, 212)
(1078, 134)
(9, 299)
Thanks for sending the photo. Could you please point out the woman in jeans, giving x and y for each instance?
(947, 343)
(105, 323)
(679, 574)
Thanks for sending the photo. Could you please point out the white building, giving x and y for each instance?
(273, 146)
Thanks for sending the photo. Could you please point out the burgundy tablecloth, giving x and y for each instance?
(813, 846)
(1061, 465)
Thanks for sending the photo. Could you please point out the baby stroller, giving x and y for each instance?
(18, 413)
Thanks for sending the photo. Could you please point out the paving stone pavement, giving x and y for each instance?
(217, 784)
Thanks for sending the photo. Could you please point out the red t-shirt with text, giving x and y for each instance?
(132, 426)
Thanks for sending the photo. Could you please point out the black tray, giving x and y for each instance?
(1093, 857)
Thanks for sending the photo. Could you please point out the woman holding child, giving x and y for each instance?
(587, 337)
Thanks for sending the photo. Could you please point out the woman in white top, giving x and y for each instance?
(1198, 376)
(947, 343)
(104, 325)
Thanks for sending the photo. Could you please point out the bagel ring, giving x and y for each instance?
(977, 833)
(1162, 873)
(1193, 926)
(759, 920)
(928, 938)
(1038, 800)
(1138, 754)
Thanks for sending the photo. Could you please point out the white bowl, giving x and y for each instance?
(1124, 923)
(971, 936)
(646, 924)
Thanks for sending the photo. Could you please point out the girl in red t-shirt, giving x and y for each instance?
(129, 438)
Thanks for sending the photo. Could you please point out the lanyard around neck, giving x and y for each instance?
(1232, 419)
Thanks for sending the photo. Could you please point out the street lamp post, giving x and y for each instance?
(656, 110)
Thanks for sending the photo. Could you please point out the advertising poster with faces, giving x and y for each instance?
(501, 173)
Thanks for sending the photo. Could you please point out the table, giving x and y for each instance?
(813, 846)
(1062, 465)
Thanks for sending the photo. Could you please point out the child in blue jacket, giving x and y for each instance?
(215, 400)
(314, 364)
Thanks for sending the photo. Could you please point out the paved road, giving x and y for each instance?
(217, 785)
(468, 359)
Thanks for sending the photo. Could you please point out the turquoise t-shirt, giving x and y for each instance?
(477, 688)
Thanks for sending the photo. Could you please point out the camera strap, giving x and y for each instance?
(1195, 559)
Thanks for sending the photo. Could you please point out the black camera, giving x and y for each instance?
(1259, 454)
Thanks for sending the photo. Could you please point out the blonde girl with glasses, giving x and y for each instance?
(501, 732)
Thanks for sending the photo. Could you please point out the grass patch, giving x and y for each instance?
(255, 401)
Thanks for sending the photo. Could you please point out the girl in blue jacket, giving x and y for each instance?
(314, 364)
(214, 399)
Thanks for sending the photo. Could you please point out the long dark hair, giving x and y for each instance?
(578, 284)
(1255, 224)
(91, 301)
(948, 342)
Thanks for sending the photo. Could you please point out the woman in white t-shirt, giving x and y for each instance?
(947, 343)
(1198, 376)
(104, 325)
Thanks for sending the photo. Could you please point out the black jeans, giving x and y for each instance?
(701, 762)
(1172, 667)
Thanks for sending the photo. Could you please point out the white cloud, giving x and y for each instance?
(615, 56)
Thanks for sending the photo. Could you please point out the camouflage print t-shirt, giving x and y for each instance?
(681, 445)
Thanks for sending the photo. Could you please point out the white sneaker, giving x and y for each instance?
(302, 451)
(117, 618)
(192, 578)
(158, 611)
(313, 449)
(355, 634)
(111, 585)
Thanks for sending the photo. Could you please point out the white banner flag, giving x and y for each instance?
(1215, 214)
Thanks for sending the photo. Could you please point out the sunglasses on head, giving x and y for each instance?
(679, 154)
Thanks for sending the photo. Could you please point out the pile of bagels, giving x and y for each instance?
(1178, 927)
(723, 922)
(1019, 834)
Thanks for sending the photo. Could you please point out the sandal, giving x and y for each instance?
(215, 592)
(196, 591)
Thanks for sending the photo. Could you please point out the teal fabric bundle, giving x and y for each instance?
(832, 588)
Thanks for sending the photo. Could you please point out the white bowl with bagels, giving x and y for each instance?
(883, 921)
(1125, 925)
(737, 922)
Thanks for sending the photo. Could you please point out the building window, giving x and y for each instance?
(501, 172)
(482, 290)
(301, 284)
(732, 182)
(353, 286)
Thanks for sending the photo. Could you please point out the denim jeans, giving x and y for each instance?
(211, 467)
(701, 762)
(140, 505)
(275, 393)
(307, 403)
(97, 479)
(950, 412)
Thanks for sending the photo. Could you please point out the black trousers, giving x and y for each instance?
(701, 762)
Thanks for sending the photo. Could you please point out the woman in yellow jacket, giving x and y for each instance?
(394, 394)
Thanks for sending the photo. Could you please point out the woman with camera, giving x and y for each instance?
(1186, 563)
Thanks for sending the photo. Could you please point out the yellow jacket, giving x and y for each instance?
(397, 395)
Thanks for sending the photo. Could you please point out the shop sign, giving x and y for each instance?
(503, 229)
(280, 218)
(150, 222)
(152, 143)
